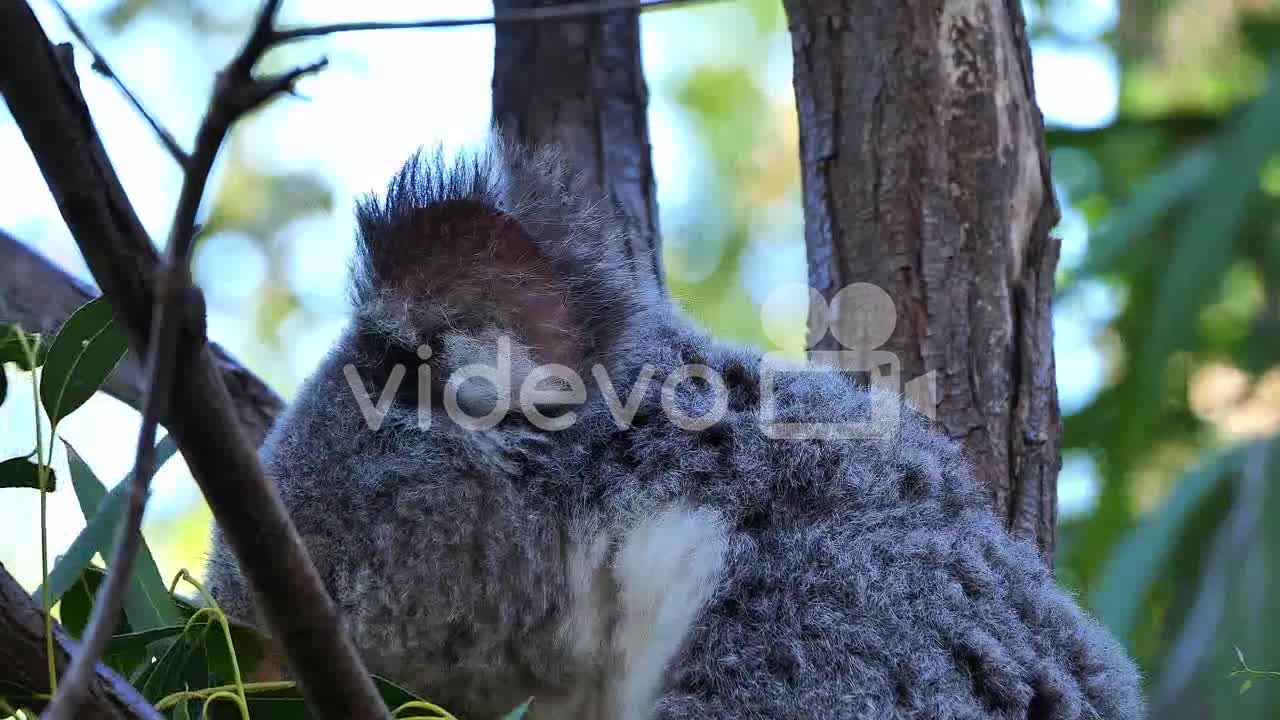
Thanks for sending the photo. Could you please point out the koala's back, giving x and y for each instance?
(843, 579)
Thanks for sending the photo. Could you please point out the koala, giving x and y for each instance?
(521, 473)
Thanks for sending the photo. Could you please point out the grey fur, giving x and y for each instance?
(850, 579)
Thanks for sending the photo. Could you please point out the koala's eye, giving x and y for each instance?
(379, 358)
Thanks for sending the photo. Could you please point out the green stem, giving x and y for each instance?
(43, 457)
(169, 701)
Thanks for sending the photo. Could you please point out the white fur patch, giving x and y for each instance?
(630, 617)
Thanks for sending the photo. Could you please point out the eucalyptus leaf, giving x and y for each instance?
(12, 350)
(85, 351)
(1204, 245)
(98, 535)
(1141, 213)
(1269, 642)
(147, 602)
(170, 672)
(21, 472)
(1137, 561)
(77, 603)
(140, 640)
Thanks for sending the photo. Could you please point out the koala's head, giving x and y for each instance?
(503, 245)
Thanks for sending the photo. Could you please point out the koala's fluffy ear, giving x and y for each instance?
(504, 239)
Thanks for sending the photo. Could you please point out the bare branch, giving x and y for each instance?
(570, 11)
(25, 662)
(49, 109)
(103, 68)
(39, 296)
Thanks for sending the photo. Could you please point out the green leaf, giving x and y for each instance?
(249, 651)
(172, 670)
(1142, 212)
(84, 352)
(140, 640)
(1139, 558)
(520, 712)
(147, 602)
(12, 350)
(1204, 245)
(77, 602)
(196, 658)
(1268, 643)
(20, 472)
(1261, 30)
(1244, 686)
(99, 535)
(74, 614)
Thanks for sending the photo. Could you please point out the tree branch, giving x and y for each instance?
(49, 109)
(39, 296)
(571, 11)
(103, 68)
(25, 662)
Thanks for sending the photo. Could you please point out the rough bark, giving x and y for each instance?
(579, 84)
(925, 173)
(40, 297)
(39, 86)
(25, 661)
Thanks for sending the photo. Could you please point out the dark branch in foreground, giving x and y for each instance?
(46, 103)
(103, 68)
(25, 663)
(572, 11)
(40, 296)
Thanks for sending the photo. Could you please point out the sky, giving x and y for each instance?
(383, 95)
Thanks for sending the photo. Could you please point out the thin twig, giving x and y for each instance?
(103, 68)
(237, 92)
(571, 11)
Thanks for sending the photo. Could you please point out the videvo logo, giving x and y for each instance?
(861, 318)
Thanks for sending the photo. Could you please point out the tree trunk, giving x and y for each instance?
(924, 172)
(579, 84)
(24, 658)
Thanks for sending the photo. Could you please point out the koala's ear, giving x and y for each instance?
(503, 240)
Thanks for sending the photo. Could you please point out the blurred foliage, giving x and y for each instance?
(1180, 555)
